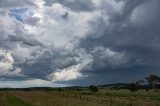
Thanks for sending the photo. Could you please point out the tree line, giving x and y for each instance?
(152, 81)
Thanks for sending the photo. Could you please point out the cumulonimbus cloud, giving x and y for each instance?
(72, 40)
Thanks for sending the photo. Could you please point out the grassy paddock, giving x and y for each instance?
(79, 98)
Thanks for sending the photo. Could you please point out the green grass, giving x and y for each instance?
(104, 97)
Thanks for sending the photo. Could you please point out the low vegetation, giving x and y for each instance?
(105, 97)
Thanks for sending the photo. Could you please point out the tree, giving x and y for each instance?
(153, 80)
(59, 89)
(93, 88)
(133, 87)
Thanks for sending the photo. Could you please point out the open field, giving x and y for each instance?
(79, 98)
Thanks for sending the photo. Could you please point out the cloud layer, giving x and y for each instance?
(79, 42)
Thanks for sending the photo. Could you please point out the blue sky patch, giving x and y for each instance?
(18, 13)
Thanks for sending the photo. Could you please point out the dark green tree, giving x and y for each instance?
(59, 89)
(133, 88)
(93, 88)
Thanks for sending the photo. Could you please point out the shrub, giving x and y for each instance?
(133, 87)
(93, 88)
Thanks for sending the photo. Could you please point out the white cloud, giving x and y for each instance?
(6, 61)
(6, 65)
(66, 74)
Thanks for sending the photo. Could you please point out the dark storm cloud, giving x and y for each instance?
(140, 43)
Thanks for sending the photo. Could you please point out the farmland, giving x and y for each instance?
(105, 97)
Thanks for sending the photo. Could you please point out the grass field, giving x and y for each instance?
(79, 98)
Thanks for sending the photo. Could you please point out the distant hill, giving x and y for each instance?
(115, 86)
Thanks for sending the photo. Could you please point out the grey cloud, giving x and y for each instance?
(75, 5)
(116, 48)
(32, 21)
(15, 3)
(140, 44)
(147, 14)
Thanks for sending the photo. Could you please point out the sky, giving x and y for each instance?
(78, 42)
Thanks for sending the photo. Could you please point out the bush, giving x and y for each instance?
(93, 88)
(133, 87)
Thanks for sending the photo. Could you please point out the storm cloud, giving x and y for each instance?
(79, 42)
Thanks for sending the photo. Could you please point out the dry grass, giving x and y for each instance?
(79, 98)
